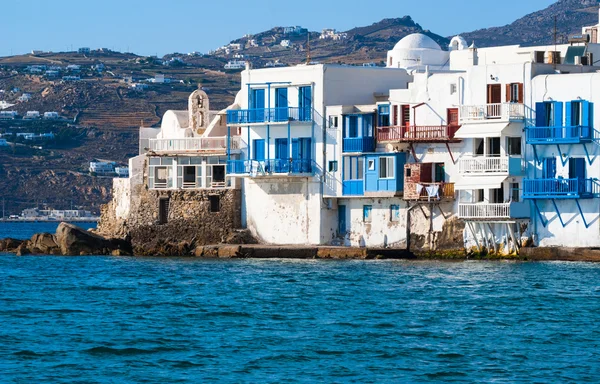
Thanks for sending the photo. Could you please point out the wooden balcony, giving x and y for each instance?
(431, 192)
(417, 133)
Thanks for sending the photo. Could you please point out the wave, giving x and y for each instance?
(126, 351)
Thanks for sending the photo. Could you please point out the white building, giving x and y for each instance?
(285, 43)
(235, 64)
(32, 115)
(8, 115)
(51, 115)
(24, 97)
(102, 167)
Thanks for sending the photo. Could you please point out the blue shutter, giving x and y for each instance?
(549, 168)
(259, 149)
(540, 115)
(587, 121)
(558, 119)
(281, 104)
(558, 114)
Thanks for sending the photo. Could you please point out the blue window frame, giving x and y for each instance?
(354, 168)
(367, 213)
(383, 115)
(281, 104)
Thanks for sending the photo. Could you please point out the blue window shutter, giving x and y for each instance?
(569, 120)
(549, 168)
(295, 149)
(259, 149)
(540, 115)
(558, 114)
(585, 114)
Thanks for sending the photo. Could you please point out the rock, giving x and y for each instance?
(73, 240)
(10, 245)
(22, 250)
(44, 243)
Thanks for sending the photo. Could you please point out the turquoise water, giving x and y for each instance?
(144, 320)
(24, 230)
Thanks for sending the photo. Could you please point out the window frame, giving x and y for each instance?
(367, 213)
(390, 164)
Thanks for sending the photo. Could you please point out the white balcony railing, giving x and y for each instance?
(500, 111)
(484, 164)
(195, 144)
(484, 211)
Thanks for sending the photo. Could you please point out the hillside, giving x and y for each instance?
(537, 28)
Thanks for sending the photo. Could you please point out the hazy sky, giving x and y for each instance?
(164, 26)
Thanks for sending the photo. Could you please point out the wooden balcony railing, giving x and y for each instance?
(415, 133)
(428, 191)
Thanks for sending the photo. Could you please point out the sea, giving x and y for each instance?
(96, 319)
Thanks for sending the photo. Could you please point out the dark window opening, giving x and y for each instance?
(408, 172)
(215, 203)
(514, 146)
(163, 211)
(333, 166)
(218, 173)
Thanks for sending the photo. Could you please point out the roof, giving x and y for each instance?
(182, 118)
(417, 41)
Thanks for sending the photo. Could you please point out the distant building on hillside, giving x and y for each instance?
(24, 97)
(51, 115)
(30, 115)
(332, 34)
(8, 115)
(84, 50)
(102, 167)
(285, 43)
(3, 143)
(294, 30)
(235, 64)
(71, 78)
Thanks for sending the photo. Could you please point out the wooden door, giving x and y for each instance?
(494, 94)
(395, 115)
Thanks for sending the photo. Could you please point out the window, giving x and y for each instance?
(160, 173)
(394, 213)
(408, 172)
(494, 146)
(333, 121)
(383, 113)
(386, 167)
(514, 192)
(371, 165)
(514, 93)
(405, 118)
(439, 175)
(215, 203)
(189, 172)
(352, 126)
(353, 168)
(333, 166)
(497, 195)
(452, 89)
(367, 213)
(514, 146)
(478, 147)
(479, 196)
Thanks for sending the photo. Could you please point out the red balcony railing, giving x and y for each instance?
(412, 133)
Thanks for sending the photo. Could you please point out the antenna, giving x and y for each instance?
(308, 50)
(555, 37)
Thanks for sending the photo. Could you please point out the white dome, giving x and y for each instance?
(417, 41)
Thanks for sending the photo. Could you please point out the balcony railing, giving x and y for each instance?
(501, 111)
(484, 164)
(268, 115)
(483, 211)
(353, 187)
(577, 188)
(359, 144)
(558, 135)
(412, 133)
(256, 168)
(428, 191)
(193, 144)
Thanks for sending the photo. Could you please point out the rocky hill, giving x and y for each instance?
(537, 28)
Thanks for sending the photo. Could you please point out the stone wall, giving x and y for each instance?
(189, 220)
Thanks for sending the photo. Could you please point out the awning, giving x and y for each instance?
(481, 130)
(480, 182)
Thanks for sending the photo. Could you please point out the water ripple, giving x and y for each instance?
(155, 320)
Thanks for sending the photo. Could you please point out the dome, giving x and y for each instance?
(417, 41)
(458, 43)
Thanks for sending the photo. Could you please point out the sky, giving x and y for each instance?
(150, 27)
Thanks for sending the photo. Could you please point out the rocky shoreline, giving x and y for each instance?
(70, 240)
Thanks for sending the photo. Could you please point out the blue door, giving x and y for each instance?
(282, 156)
(549, 168)
(301, 155)
(305, 103)
(257, 106)
(258, 147)
(342, 220)
(281, 104)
